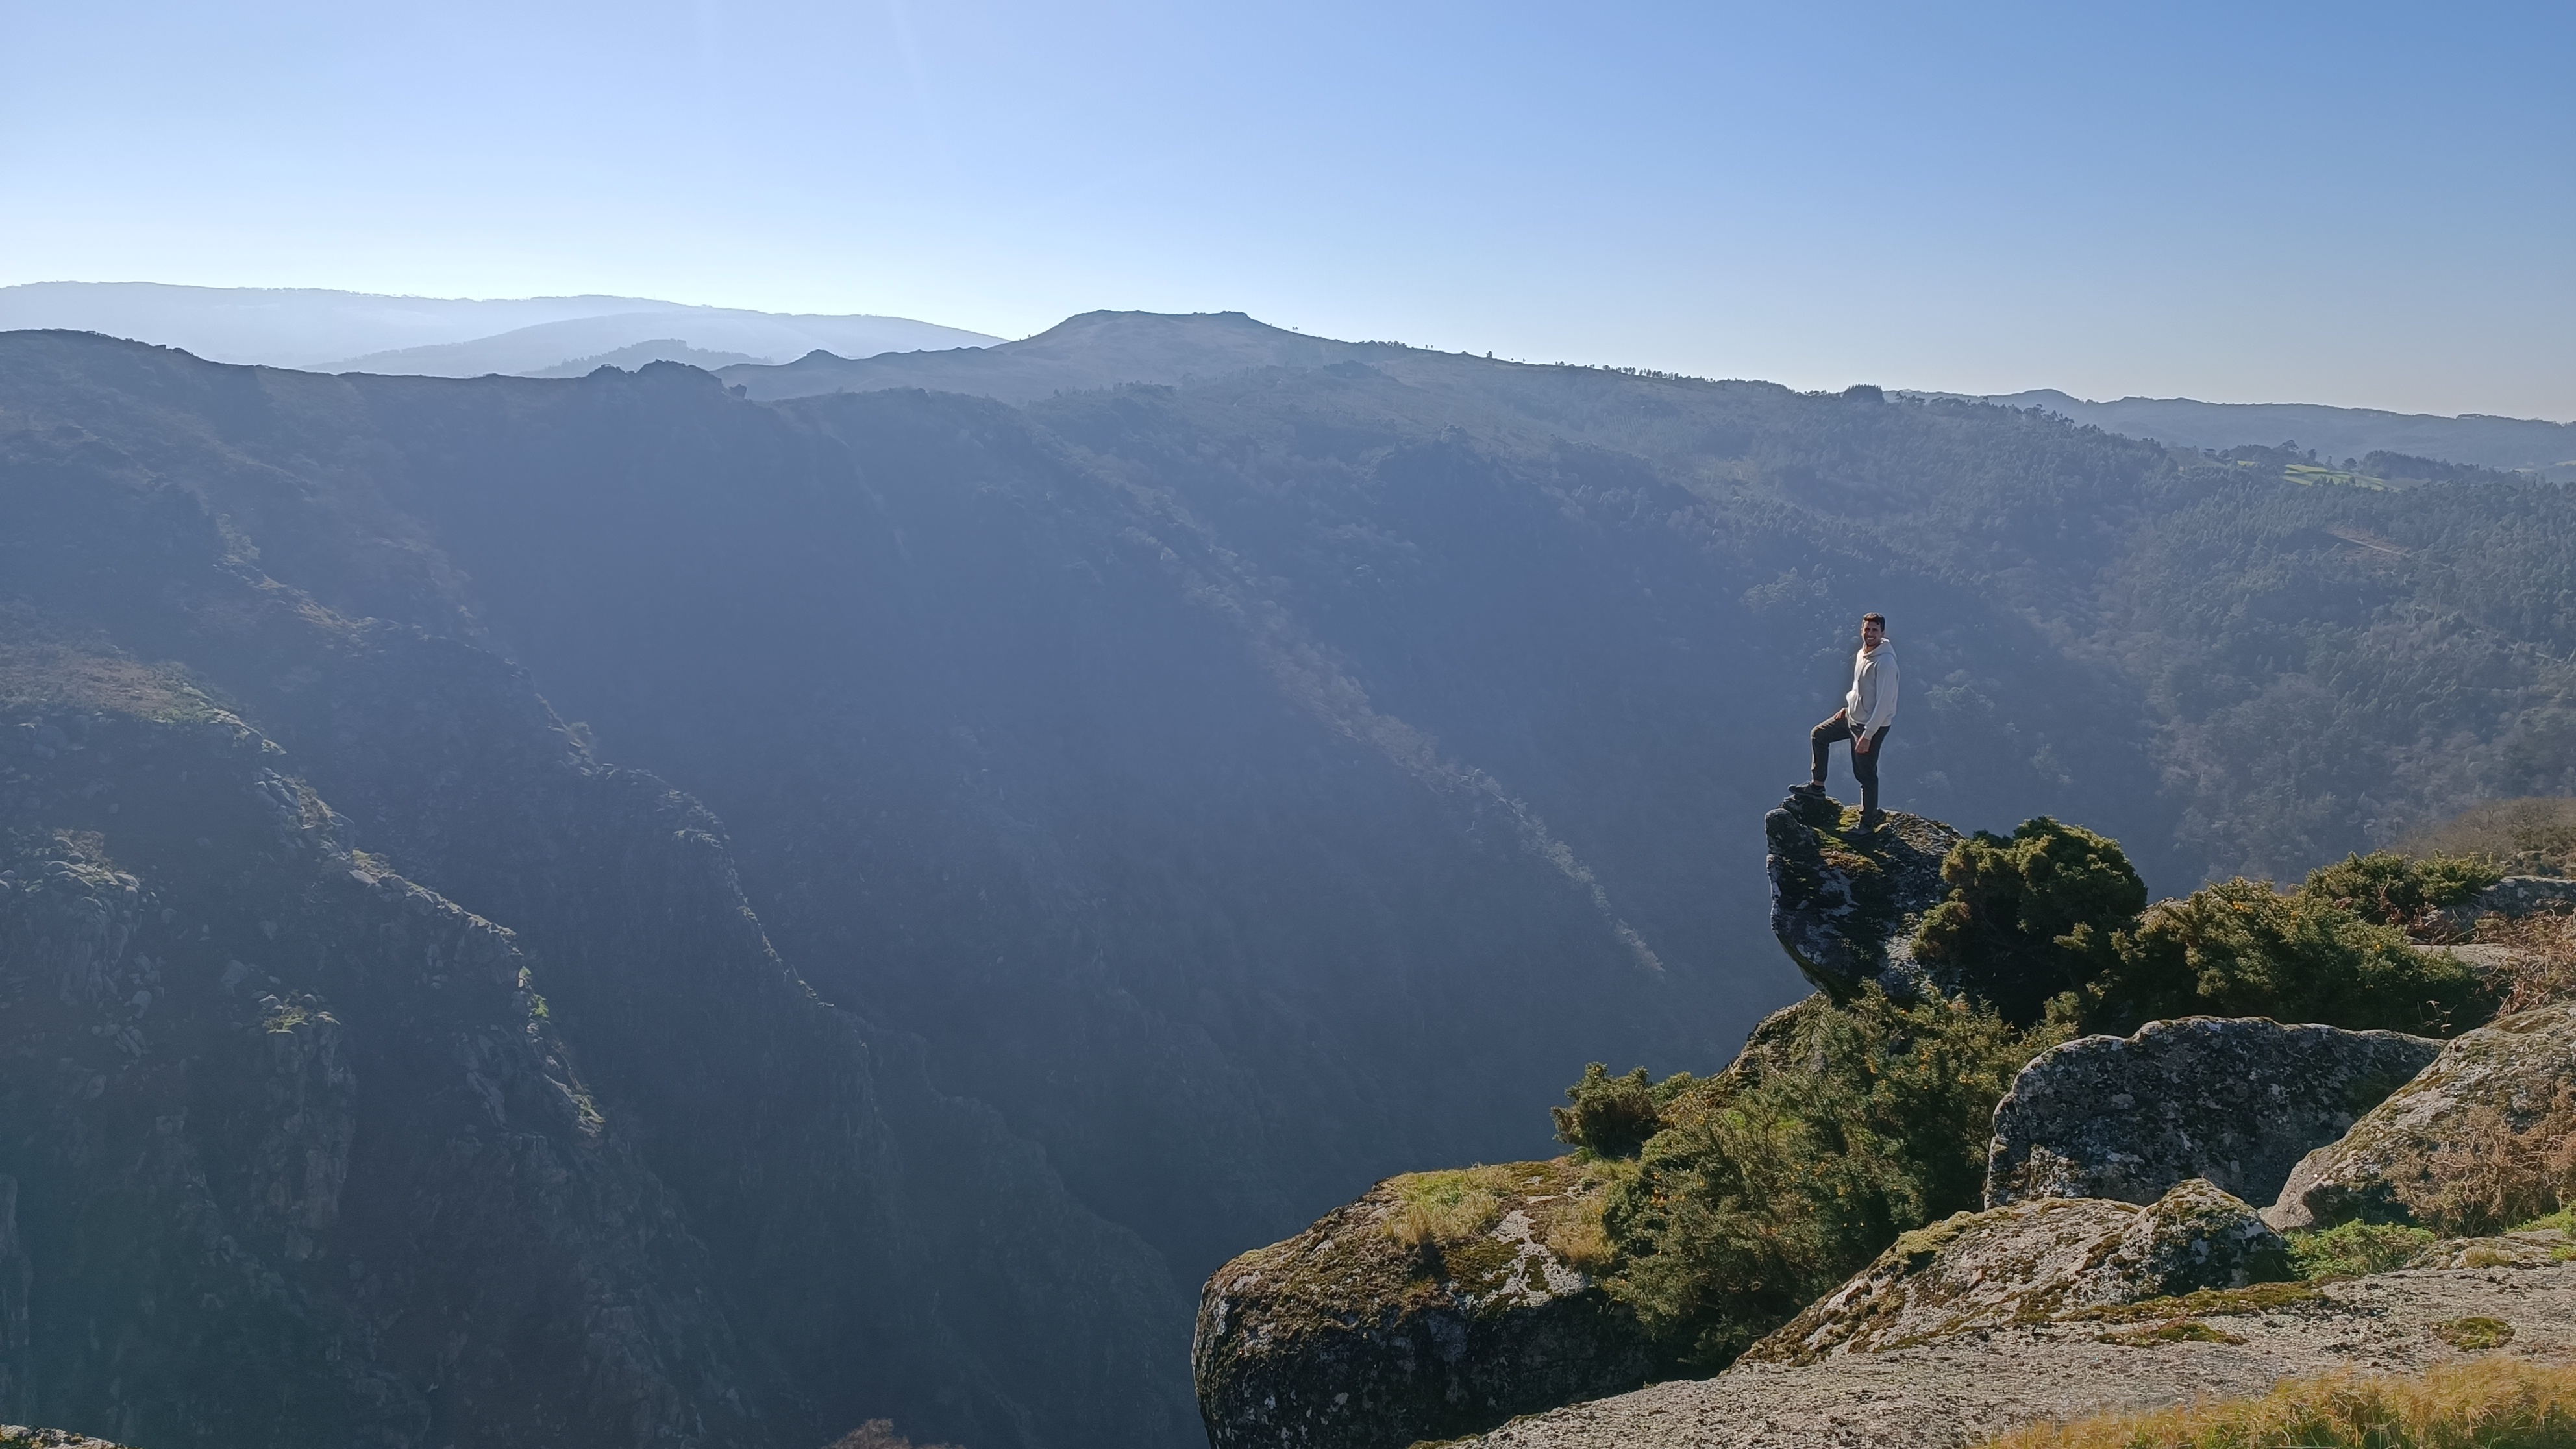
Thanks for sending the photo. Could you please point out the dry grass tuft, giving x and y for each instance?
(2491, 1176)
(2487, 1403)
(2542, 969)
(1438, 1208)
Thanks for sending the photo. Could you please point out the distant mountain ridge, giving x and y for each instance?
(319, 330)
(2519, 445)
(1106, 349)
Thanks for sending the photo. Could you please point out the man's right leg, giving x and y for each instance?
(1821, 741)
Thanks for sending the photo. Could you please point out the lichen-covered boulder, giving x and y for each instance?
(1845, 902)
(2235, 1100)
(1440, 1304)
(2031, 1261)
(2504, 1077)
(19, 1436)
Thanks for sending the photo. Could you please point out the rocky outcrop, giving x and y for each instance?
(18, 1436)
(2235, 1100)
(2503, 1077)
(2515, 895)
(1845, 902)
(2030, 1261)
(1964, 1389)
(1438, 1305)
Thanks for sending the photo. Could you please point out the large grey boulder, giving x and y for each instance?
(1846, 903)
(1440, 1304)
(2235, 1100)
(2034, 1260)
(2505, 1076)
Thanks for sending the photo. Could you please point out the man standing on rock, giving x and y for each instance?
(1864, 718)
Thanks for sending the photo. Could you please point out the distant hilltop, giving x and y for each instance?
(314, 330)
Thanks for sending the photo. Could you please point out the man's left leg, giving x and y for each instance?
(1865, 770)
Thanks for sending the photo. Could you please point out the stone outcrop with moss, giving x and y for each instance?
(18, 1436)
(2235, 1100)
(2464, 1127)
(1440, 1304)
(1846, 902)
(2034, 1260)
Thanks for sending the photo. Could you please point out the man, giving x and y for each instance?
(1864, 718)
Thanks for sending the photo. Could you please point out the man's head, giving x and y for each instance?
(1873, 629)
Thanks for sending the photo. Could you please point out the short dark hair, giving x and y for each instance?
(1879, 619)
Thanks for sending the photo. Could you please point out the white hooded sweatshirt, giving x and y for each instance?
(1871, 705)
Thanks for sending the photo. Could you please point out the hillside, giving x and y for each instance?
(1194, 800)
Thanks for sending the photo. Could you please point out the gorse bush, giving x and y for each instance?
(2058, 909)
(1773, 1183)
(2389, 889)
(2238, 948)
(1613, 1116)
(2032, 917)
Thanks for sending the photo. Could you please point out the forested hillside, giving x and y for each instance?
(1174, 805)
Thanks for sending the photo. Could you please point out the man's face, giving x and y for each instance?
(1870, 633)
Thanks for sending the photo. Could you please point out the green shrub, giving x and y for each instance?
(1611, 1116)
(2032, 917)
(2356, 1250)
(1767, 1188)
(2389, 889)
(2239, 949)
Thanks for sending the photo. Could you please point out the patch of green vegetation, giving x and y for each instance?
(2032, 917)
(2355, 1250)
(2563, 1220)
(1613, 1116)
(2389, 889)
(2207, 1303)
(2316, 475)
(2474, 1334)
(2238, 948)
(2180, 1330)
(1765, 1189)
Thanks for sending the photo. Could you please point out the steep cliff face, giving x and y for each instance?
(291, 1133)
(404, 1217)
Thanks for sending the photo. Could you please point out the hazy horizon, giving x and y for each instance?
(2354, 207)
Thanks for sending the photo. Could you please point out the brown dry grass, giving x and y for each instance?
(2490, 1177)
(2487, 1403)
(2534, 834)
(2542, 970)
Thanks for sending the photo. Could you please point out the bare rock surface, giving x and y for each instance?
(2033, 1260)
(1363, 1333)
(1963, 1389)
(2515, 1066)
(1845, 902)
(2235, 1100)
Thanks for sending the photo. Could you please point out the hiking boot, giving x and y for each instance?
(1871, 821)
(1812, 787)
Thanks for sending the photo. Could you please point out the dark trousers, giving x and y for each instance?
(1864, 762)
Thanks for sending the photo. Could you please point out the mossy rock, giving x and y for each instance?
(1845, 902)
(1439, 1305)
(2031, 1262)
(2508, 1073)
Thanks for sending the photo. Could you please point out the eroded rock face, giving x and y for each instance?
(1846, 904)
(2515, 1065)
(2235, 1100)
(1349, 1336)
(2030, 1261)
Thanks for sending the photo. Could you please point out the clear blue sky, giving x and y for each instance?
(2352, 203)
